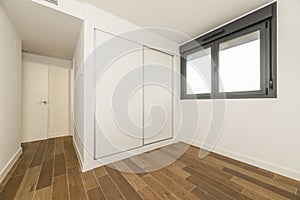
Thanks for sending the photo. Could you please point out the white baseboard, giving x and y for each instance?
(49, 136)
(33, 140)
(78, 154)
(58, 134)
(252, 161)
(10, 164)
(114, 158)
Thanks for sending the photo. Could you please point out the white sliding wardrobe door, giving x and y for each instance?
(158, 112)
(58, 101)
(118, 103)
(35, 102)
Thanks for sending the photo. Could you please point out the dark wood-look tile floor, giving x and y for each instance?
(49, 169)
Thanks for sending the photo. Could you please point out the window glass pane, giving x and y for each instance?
(239, 64)
(198, 72)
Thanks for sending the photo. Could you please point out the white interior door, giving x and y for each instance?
(45, 101)
(158, 106)
(118, 117)
(58, 101)
(35, 101)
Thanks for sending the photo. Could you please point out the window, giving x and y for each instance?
(235, 61)
(198, 72)
(239, 64)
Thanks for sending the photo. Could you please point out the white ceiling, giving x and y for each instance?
(43, 30)
(188, 17)
(48, 32)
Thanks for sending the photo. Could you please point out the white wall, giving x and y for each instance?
(10, 94)
(266, 132)
(71, 96)
(26, 57)
(78, 100)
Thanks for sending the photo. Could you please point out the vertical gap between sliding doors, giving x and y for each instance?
(143, 98)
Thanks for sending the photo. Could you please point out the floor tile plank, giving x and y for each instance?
(46, 175)
(177, 179)
(43, 194)
(11, 188)
(67, 139)
(124, 187)
(214, 192)
(200, 162)
(70, 155)
(176, 169)
(201, 194)
(29, 182)
(100, 171)
(243, 165)
(60, 188)
(224, 187)
(140, 162)
(59, 148)
(135, 168)
(50, 150)
(262, 184)
(257, 176)
(252, 194)
(96, 194)
(216, 176)
(59, 140)
(148, 194)
(76, 187)
(59, 165)
(10, 173)
(174, 188)
(39, 155)
(26, 159)
(261, 190)
(109, 189)
(134, 180)
(89, 180)
(287, 181)
(158, 188)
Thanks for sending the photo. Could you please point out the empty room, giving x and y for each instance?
(149, 100)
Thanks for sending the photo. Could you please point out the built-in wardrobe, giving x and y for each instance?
(133, 95)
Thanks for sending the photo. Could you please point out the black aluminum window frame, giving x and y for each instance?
(264, 21)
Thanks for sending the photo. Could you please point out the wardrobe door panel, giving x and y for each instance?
(118, 106)
(158, 112)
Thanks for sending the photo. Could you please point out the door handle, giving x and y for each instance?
(44, 102)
